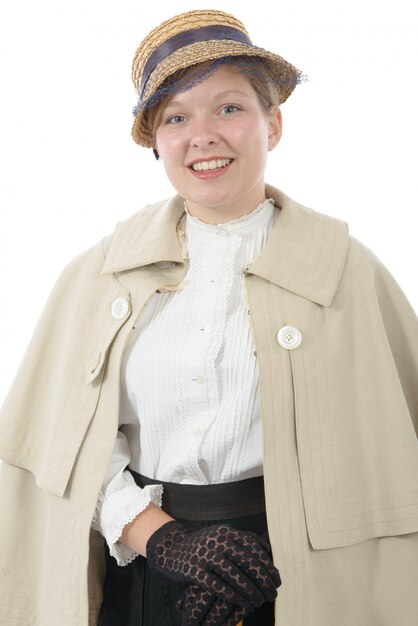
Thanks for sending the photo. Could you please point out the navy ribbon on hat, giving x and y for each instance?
(206, 33)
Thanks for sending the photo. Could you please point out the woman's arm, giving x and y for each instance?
(121, 501)
(136, 534)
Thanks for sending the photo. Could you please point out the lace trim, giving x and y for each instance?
(253, 213)
(152, 493)
(195, 276)
(238, 221)
(123, 554)
(126, 560)
(220, 324)
(220, 319)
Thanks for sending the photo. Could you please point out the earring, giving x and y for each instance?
(157, 156)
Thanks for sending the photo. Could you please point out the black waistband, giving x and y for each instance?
(210, 502)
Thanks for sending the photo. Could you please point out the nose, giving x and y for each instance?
(203, 133)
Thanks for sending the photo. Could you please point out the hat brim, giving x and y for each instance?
(283, 74)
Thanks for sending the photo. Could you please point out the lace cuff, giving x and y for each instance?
(117, 510)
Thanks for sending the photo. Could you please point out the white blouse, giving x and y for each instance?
(189, 404)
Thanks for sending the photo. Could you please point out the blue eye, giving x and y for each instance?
(231, 106)
(175, 117)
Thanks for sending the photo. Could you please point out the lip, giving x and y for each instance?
(209, 174)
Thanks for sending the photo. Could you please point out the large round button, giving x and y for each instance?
(120, 308)
(289, 337)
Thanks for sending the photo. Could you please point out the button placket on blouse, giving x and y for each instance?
(207, 313)
(215, 274)
(204, 337)
(226, 269)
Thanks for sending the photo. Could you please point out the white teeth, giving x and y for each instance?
(210, 165)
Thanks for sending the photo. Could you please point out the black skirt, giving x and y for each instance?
(134, 596)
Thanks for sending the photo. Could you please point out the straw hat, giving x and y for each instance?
(190, 38)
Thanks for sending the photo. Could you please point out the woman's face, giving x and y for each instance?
(220, 119)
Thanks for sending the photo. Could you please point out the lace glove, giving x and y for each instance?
(232, 564)
(199, 607)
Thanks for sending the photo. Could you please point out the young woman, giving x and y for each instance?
(223, 391)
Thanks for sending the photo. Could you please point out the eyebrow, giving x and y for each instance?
(221, 94)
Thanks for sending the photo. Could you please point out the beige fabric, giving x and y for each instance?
(339, 418)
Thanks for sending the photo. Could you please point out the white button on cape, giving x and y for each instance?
(289, 337)
(120, 308)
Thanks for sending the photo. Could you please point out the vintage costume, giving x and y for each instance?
(336, 343)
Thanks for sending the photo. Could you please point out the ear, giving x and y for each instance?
(275, 126)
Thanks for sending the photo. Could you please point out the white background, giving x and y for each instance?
(70, 170)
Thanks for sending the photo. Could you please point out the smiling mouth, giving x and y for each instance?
(210, 166)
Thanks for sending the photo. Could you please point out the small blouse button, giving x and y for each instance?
(120, 308)
(289, 337)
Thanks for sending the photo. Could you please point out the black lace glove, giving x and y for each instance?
(232, 564)
(199, 607)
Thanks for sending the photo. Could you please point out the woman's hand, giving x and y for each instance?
(234, 565)
(199, 607)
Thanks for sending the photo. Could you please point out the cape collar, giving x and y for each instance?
(305, 251)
